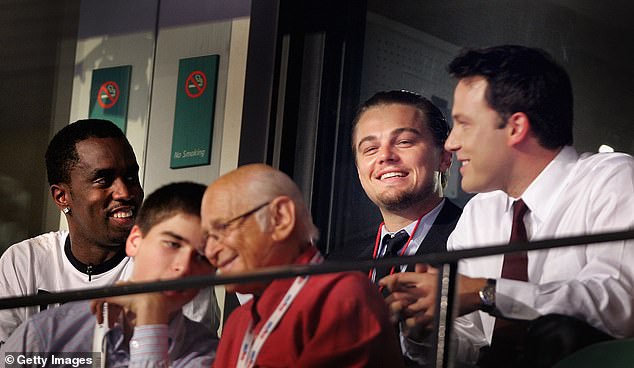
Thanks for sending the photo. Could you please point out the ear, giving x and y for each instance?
(133, 242)
(61, 195)
(518, 126)
(283, 217)
(445, 160)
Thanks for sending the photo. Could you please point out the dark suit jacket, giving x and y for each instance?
(435, 241)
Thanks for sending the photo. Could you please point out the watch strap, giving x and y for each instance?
(487, 296)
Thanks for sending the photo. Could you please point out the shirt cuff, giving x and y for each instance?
(514, 299)
(149, 342)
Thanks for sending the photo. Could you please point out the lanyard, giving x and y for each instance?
(251, 346)
(377, 242)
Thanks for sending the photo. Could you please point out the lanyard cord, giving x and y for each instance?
(251, 345)
(377, 242)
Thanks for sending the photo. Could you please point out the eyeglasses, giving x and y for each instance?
(226, 224)
(222, 228)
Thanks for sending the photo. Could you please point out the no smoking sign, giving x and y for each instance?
(195, 84)
(194, 111)
(108, 94)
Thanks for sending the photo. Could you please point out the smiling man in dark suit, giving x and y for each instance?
(398, 142)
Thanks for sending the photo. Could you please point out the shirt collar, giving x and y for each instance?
(541, 193)
(279, 286)
(306, 255)
(429, 219)
(90, 269)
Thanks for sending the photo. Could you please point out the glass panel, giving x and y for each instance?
(49, 53)
(408, 44)
(592, 40)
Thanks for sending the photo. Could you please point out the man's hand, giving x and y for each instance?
(412, 299)
(146, 309)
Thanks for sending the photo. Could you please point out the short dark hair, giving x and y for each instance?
(436, 121)
(523, 79)
(170, 200)
(61, 154)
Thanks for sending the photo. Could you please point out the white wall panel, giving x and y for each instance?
(110, 34)
(175, 43)
(121, 32)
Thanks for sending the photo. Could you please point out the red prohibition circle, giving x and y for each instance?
(107, 97)
(195, 84)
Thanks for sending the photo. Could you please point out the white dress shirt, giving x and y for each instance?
(573, 195)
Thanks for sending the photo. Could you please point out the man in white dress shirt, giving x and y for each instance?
(513, 133)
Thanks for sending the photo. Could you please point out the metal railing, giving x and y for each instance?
(447, 274)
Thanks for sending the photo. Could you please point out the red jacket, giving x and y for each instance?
(336, 320)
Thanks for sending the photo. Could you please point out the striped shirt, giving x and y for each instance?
(70, 328)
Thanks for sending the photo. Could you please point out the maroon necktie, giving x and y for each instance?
(515, 266)
(508, 336)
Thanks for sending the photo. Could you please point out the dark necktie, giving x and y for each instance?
(515, 266)
(507, 334)
(394, 245)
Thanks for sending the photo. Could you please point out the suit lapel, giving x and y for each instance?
(436, 239)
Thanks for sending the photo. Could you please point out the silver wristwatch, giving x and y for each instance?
(487, 296)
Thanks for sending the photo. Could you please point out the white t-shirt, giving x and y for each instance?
(39, 265)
